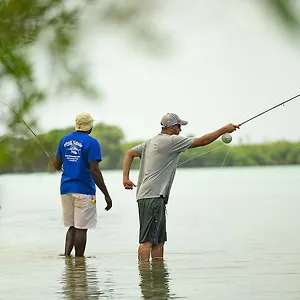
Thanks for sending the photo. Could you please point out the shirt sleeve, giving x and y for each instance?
(58, 150)
(180, 143)
(95, 151)
(139, 148)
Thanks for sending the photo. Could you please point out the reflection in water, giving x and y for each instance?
(154, 280)
(79, 281)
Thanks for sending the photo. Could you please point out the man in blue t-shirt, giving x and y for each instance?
(80, 154)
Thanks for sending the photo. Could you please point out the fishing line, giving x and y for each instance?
(204, 154)
(225, 157)
(3, 137)
(43, 147)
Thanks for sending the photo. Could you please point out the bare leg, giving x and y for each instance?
(80, 242)
(144, 251)
(157, 251)
(70, 239)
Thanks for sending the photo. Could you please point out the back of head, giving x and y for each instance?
(84, 122)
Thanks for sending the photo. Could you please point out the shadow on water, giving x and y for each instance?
(154, 280)
(79, 281)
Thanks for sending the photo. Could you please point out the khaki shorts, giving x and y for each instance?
(79, 210)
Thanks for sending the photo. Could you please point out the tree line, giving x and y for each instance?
(23, 154)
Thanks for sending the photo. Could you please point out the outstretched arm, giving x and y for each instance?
(127, 162)
(212, 136)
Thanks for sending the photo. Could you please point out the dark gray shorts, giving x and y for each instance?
(152, 215)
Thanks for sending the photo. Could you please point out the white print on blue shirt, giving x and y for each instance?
(73, 150)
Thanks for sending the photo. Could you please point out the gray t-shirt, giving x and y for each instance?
(159, 159)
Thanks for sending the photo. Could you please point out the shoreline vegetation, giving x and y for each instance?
(23, 154)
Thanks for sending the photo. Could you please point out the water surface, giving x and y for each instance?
(233, 233)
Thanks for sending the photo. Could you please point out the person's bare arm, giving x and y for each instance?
(212, 136)
(57, 163)
(127, 162)
(99, 181)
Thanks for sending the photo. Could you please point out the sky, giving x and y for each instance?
(226, 62)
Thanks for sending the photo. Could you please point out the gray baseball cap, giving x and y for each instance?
(171, 119)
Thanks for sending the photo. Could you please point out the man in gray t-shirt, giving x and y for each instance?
(159, 158)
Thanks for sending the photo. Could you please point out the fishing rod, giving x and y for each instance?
(43, 147)
(226, 137)
(282, 103)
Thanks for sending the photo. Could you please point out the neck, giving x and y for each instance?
(86, 132)
(166, 131)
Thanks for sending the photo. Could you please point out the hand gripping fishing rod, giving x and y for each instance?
(36, 138)
(282, 103)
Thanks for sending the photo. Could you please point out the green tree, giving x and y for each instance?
(25, 155)
(125, 146)
(27, 24)
(286, 12)
(110, 138)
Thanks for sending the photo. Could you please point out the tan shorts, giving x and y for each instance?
(79, 210)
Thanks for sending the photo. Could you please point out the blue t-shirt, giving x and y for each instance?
(76, 150)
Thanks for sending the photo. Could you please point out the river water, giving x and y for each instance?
(233, 233)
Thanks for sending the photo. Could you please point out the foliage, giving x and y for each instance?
(110, 138)
(287, 11)
(125, 146)
(51, 29)
(22, 154)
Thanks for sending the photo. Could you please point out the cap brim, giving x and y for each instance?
(182, 122)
